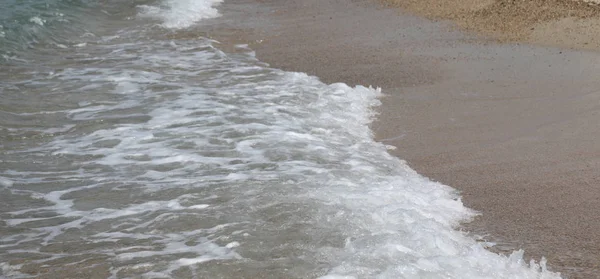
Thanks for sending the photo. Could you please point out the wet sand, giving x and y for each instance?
(513, 127)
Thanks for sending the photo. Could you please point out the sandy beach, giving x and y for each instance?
(563, 23)
(513, 127)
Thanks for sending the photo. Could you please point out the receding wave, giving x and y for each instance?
(180, 13)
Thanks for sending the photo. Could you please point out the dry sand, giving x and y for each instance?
(565, 23)
(514, 127)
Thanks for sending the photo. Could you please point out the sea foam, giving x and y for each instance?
(181, 13)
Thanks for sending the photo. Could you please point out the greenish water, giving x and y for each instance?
(40, 26)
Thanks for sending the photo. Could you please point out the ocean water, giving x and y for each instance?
(128, 151)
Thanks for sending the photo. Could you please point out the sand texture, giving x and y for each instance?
(513, 127)
(565, 23)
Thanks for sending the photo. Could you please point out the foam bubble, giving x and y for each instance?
(177, 14)
(199, 206)
(5, 182)
(37, 20)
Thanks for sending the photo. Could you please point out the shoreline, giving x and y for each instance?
(511, 126)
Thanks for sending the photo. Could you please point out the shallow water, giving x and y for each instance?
(125, 153)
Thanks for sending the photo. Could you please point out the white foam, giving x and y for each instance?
(232, 244)
(199, 206)
(5, 182)
(177, 14)
(37, 20)
(10, 270)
